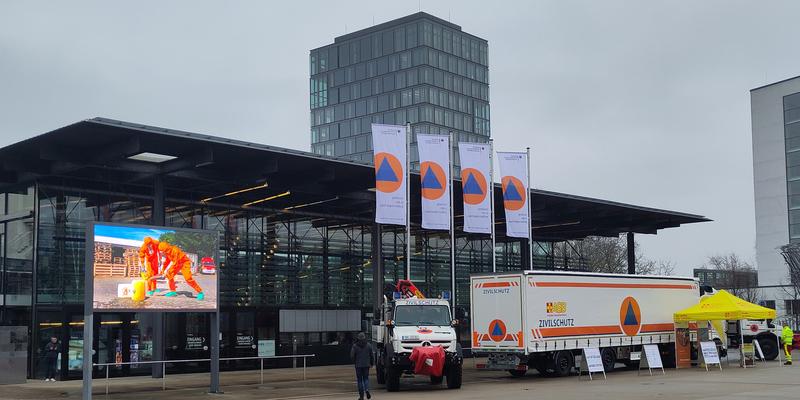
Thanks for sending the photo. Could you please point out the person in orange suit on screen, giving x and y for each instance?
(148, 256)
(177, 261)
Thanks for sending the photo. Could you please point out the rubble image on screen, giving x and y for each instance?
(140, 268)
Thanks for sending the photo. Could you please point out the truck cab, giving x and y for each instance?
(411, 322)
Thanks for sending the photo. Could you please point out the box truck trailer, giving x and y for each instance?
(542, 319)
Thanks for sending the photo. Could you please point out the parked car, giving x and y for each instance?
(207, 266)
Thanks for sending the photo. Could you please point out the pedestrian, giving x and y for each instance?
(51, 351)
(787, 335)
(363, 359)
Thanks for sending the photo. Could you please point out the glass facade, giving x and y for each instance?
(421, 71)
(791, 121)
(269, 262)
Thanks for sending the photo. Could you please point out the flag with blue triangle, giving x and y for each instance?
(511, 193)
(385, 172)
(429, 180)
(471, 186)
(630, 316)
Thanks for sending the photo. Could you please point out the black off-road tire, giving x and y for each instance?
(393, 379)
(454, 377)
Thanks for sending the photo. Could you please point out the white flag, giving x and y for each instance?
(514, 173)
(389, 156)
(475, 187)
(434, 173)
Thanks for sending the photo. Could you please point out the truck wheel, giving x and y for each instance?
(768, 346)
(380, 373)
(393, 379)
(437, 380)
(563, 361)
(454, 377)
(517, 373)
(609, 357)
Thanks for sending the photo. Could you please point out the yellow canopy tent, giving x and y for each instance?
(722, 306)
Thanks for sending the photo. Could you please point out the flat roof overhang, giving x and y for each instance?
(95, 154)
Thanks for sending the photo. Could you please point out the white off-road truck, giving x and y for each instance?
(408, 321)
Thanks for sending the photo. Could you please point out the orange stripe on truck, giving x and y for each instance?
(658, 327)
(496, 284)
(614, 285)
(578, 331)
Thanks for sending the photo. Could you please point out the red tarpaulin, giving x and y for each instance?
(428, 360)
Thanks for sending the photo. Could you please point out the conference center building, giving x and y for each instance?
(301, 263)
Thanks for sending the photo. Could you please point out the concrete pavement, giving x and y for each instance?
(336, 382)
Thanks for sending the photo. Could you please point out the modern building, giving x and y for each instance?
(301, 261)
(419, 69)
(726, 279)
(775, 114)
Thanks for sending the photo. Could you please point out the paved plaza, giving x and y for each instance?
(770, 381)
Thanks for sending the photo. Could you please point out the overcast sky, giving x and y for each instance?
(641, 102)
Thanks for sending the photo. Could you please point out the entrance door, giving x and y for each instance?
(112, 343)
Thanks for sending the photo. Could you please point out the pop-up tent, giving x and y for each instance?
(723, 306)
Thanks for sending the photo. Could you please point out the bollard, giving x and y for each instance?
(262, 371)
(163, 376)
(304, 368)
(107, 379)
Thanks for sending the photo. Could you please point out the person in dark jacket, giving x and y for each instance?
(363, 358)
(51, 352)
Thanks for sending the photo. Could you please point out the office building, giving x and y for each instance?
(775, 115)
(418, 69)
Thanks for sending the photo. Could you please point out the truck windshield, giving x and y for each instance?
(422, 315)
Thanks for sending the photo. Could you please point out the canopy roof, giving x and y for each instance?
(102, 155)
(723, 306)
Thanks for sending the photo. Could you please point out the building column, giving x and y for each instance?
(631, 254)
(377, 271)
(159, 219)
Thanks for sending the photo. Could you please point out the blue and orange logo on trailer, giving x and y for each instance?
(630, 316)
(497, 333)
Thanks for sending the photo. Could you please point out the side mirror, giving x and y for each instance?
(454, 323)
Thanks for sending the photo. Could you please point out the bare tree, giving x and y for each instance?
(791, 254)
(610, 255)
(736, 276)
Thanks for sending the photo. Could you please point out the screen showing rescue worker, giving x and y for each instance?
(161, 269)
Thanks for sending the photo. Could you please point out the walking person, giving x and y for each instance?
(51, 351)
(363, 359)
(787, 335)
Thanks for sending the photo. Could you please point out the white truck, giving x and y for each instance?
(542, 319)
(410, 322)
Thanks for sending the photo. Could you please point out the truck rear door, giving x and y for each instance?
(496, 305)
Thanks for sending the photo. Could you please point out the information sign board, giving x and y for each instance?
(591, 362)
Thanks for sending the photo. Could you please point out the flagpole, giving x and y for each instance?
(452, 221)
(530, 205)
(491, 203)
(408, 200)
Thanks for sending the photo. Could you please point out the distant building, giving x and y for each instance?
(419, 69)
(726, 279)
(775, 116)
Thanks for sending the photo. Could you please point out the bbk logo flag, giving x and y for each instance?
(434, 170)
(389, 152)
(514, 173)
(475, 187)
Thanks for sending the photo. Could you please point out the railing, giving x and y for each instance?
(165, 362)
